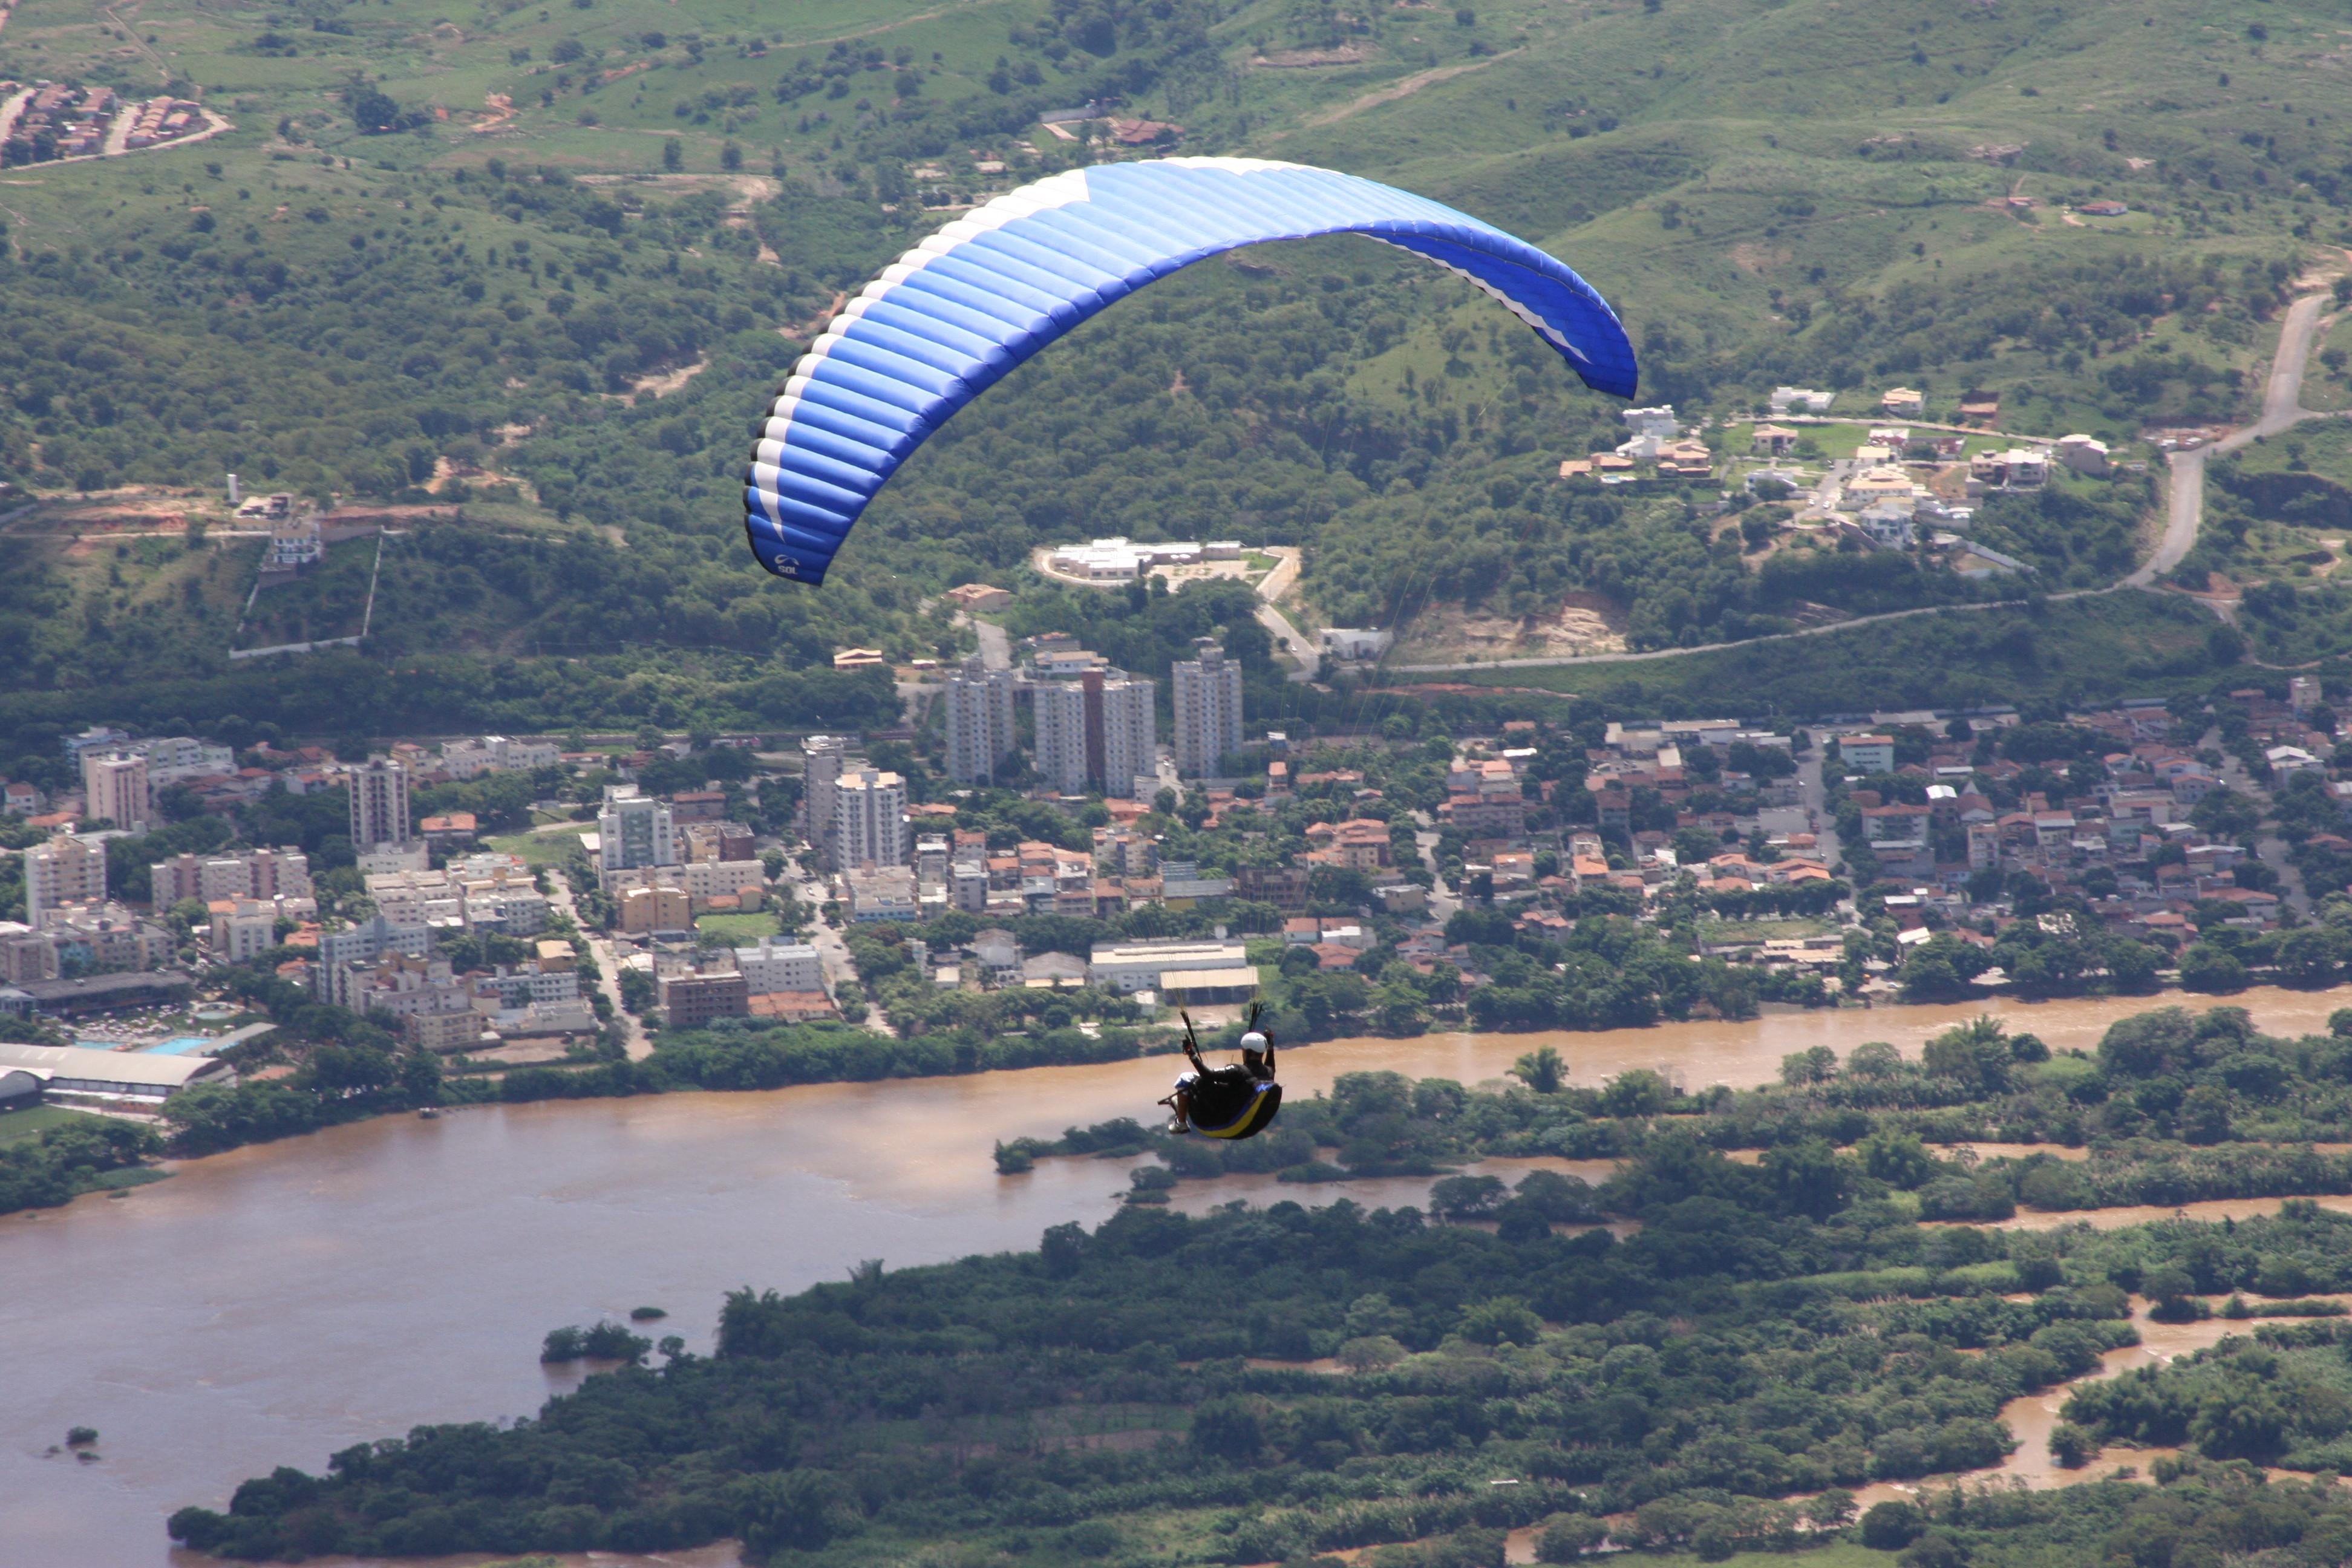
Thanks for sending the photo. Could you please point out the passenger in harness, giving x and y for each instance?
(1227, 1101)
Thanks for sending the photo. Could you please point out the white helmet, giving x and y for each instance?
(1254, 1041)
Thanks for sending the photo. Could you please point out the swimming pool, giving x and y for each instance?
(184, 1046)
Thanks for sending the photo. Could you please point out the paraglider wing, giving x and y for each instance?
(967, 305)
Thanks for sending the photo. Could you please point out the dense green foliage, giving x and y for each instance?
(1768, 1331)
(58, 1164)
(1612, 1411)
(2172, 1109)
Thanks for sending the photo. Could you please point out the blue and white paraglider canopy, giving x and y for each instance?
(951, 316)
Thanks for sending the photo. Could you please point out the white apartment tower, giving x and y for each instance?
(820, 758)
(114, 788)
(1208, 701)
(1061, 754)
(980, 722)
(61, 872)
(869, 820)
(633, 831)
(379, 804)
(1095, 733)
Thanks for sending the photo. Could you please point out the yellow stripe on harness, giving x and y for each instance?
(1264, 1102)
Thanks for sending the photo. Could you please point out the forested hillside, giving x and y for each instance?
(539, 268)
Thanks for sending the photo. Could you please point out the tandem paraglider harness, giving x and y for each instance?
(1234, 1101)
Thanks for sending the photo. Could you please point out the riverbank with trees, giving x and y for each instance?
(1765, 1343)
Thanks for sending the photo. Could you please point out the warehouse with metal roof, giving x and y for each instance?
(145, 1076)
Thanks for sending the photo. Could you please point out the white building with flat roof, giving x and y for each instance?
(171, 758)
(497, 753)
(774, 966)
(1124, 967)
(1122, 560)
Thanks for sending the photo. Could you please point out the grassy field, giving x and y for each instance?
(743, 928)
(541, 849)
(326, 599)
(2079, 651)
(1759, 931)
(18, 1126)
(1844, 1554)
(2322, 446)
(2328, 384)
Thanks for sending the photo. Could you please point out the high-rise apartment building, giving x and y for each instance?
(1129, 730)
(980, 722)
(821, 760)
(869, 820)
(114, 788)
(1059, 710)
(379, 804)
(1207, 703)
(61, 872)
(634, 831)
(1095, 732)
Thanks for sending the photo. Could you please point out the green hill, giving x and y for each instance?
(554, 280)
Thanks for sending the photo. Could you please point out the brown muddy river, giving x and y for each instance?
(274, 1304)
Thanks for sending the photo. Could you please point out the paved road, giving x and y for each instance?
(1814, 792)
(2281, 397)
(2184, 515)
(2184, 510)
(1270, 589)
(2269, 847)
(2282, 407)
(1441, 903)
(995, 645)
(1277, 582)
(832, 951)
(1310, 663)
(608, 965)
